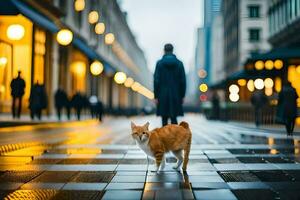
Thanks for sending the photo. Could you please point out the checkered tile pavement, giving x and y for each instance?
(92, 161)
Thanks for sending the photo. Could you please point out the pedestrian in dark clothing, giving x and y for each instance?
(169, 86)
(99, 110)
(93, 100)
(17, 86)
(215, 106)
(258, 100)
(61, 101)
(287, 107)
(37, 100)
(78, 104)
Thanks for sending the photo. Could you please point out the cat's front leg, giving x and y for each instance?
(158, 160)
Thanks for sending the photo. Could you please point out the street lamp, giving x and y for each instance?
(93, 17)
(269, 64)
(268, 83)
(79, 5)
(234, 89)
(109, 38)
(129, 81)
(3, 61)
(15, 32)
(100, 28)
(250, 85)
(278, 64)
(259, 65)
(259, 84)
(64, 37)
(135, 86)
(120, 77)
(234, 97)
(96, 68)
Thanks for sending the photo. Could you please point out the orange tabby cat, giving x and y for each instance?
(155, 143)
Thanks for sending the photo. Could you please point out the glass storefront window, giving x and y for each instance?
(294, 78)
(15, 54)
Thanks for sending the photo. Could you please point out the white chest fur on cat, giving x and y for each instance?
(144, 146)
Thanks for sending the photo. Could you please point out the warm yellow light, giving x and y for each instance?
(93, 17)
(278, 64)
(109, 38)
(129, 81)
(269, 91)
(79, 5)
(120, 77)
(100, 28)
(135, 86)
(15, 32)
(3, 61)
(242, 82)
(203, 87)
(259, 65)
(298, 69)
(277, 84)
(202, 73)
(64, 37)
(234, 89)
(96, 68)
(250, 85)
(78, 68)
(234, 97)
(269, 64)
(268, 83)
(2, 88)
(259, 84)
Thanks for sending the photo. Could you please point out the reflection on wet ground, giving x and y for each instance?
(86, 160)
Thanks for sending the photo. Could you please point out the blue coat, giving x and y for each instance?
(169, 86)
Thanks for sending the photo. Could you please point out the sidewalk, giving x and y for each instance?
(6, 120)
(276, 128)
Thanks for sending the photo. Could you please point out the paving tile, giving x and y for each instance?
(125, 186)
(219, 194)
(131, 173)
(19, 176)
(84, 186)
(54, 177)
(93, 177)
(131, 167)
(32, 194)
(246, 194)
(86, 167)
(230, 167)
(128, 179)
(122, 194)
(248, 185)
(239, 176)
(210, 185)
(166, 186)
(10, 186)
(78, 195)
(194, 179)
(33, 186)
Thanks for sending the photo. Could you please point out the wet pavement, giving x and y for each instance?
(87, 160)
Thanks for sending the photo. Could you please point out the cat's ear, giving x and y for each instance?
(132, 125)
(147, 125)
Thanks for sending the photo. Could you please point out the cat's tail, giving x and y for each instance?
(184, 125)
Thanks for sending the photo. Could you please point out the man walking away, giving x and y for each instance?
(169, 86)
(258, 100)
(61, 101)
(17, 86)
(37, 100)
(287, 107)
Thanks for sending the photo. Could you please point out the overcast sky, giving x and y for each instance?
(156, 22)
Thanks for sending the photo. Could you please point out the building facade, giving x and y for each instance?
(245, 31)
(100, 33)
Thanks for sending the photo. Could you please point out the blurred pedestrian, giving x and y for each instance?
(258, 100)
(99, 108)
(78, 104)
(37, 100)
(169, 86)
(93, 100)
(287, 107)
(61, 101)
(215, 100)
(17, 86)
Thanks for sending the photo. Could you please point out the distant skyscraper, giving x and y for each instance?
(211, 10)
